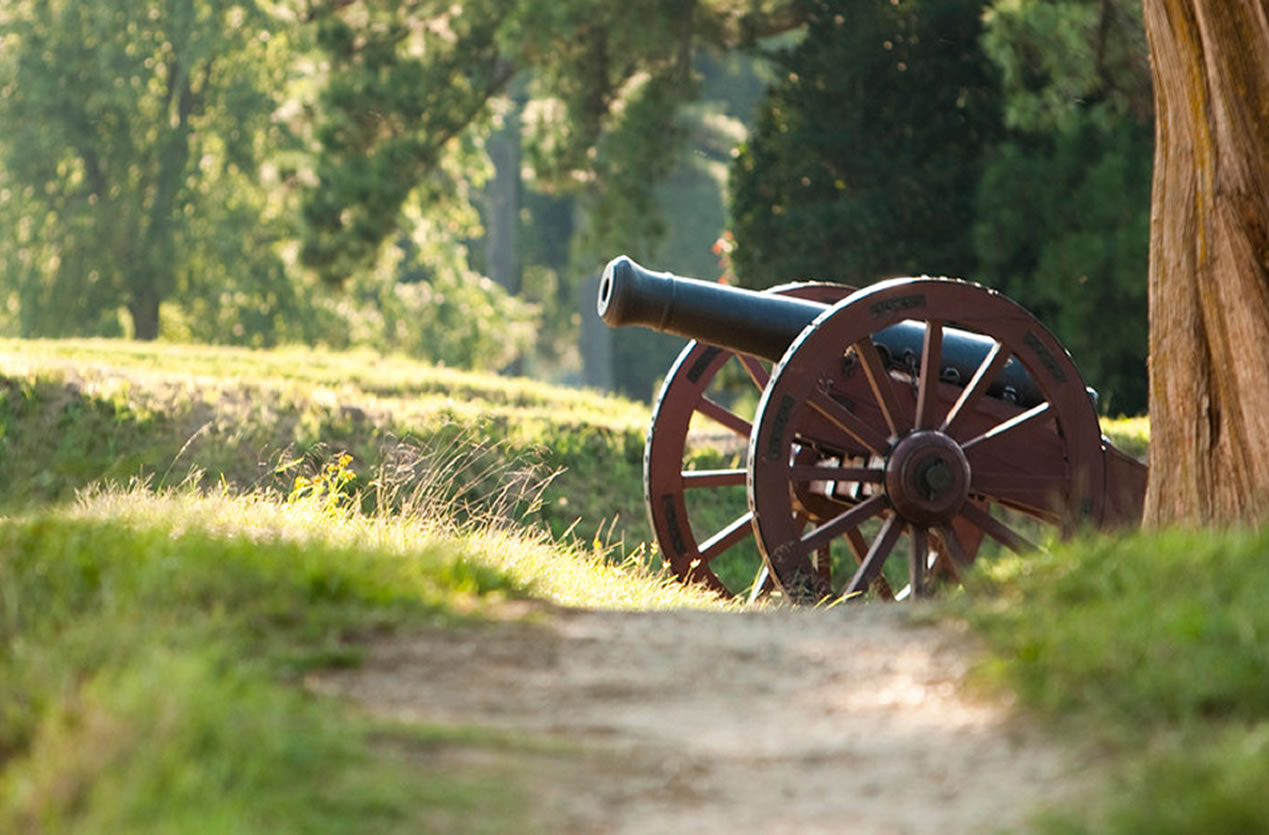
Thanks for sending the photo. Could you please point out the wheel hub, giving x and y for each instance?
(927, 478)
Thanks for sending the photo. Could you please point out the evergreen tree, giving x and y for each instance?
(867, 152)
(1063, 211)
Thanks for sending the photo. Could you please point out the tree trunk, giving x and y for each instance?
(502, 201)
(144, 307)
(596, 340)
(502, 205)
(1209, 262)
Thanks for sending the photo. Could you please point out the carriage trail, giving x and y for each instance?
(846, 720)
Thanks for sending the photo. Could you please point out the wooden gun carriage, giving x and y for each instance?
(917, 416)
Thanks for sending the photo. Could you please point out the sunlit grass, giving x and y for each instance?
(1155, 645)
(1130, 434)
(153, 637)
(595, 574)
(77, 412)
(373, 380)
(151, 643)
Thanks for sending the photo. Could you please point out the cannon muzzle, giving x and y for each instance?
(765, 324)
(731, 317)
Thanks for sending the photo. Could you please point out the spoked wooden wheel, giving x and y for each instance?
(938, 404)
(700, 516)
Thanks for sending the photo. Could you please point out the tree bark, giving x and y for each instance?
(502, 210)
(502, 201)
(1209, 262)
(596, 340)
(144, 307)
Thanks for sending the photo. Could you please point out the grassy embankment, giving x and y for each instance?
(79, 412)
(152, 641)
(1154, 647)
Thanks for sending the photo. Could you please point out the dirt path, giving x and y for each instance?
(848, 720)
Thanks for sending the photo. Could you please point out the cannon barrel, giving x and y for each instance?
(742, 320)
(765, 325)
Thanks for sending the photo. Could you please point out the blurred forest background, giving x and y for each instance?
(446, 179)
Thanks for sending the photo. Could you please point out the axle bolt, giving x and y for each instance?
(934, 477)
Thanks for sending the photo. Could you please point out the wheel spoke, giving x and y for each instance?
(759, 583)
(726, 538)
(849, 520)
(845, 420)
(918, 560)
(870, 568)
(931, 363)
(824, 564)
(957, 561)
(858, 545)
(755, 369)
(882, 388)
(810, 472)
(996, 529)
(717, 412)
(859, 549)
(983, 377)
(696, 479)
(1025, 420)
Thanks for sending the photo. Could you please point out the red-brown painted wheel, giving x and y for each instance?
(934, 457)
(691, 552)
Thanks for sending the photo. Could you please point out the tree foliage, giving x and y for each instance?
(866, 153)
(406, 80)
(1063, 208)
(1011, 148)
(131, 165)
(153, 161)
(214, 158)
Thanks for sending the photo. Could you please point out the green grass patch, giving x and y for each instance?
(1156, 645)
(152, 647)
(193, 741)
(73, 413)
(153, 639)
(147, 672)
(1130, 434)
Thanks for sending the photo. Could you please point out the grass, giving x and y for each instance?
(153, 638)
(73, 413)
(151, 646)
(148, 671)
(1130, 434)
(1156, 646)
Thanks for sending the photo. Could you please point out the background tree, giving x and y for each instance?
(406, 81)
(411, 87)
(130, 165)
(692, 199)
(1062, 214)
(1209, 262)
(859, 169)
(867, 152)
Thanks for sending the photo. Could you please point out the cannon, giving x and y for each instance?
(921, 417)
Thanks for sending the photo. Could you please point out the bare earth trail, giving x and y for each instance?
(850, 720)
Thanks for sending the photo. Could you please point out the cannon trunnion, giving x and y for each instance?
(917, 416)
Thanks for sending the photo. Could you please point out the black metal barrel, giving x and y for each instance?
(764, 324)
